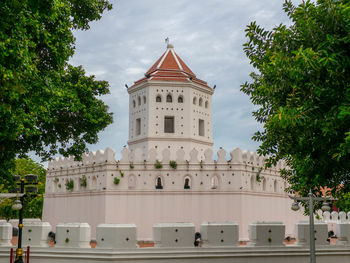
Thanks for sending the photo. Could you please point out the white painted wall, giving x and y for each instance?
(186, 117)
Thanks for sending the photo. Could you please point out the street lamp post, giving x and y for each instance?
(29, 179)
(311, 199)
(19, 251)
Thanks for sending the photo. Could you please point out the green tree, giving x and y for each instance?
(32, 206)
(46, 105)
(301, 87)
(343, 204)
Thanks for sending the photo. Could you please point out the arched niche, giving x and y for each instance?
(214, 182)
(159, 182)
(131, 181)
(187, 182)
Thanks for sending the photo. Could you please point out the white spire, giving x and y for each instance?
(168, 43)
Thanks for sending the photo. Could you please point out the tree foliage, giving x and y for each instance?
(301, 85)
(46, 105)
(343, 204)
(32, 206)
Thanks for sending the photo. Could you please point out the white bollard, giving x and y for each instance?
(266, 233)
(116, 236)
(343, 233)
(5, 233)
(302, 233)
(35, 233)
(73, 235)
(173, 235)
(216, 234)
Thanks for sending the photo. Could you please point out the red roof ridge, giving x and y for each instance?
(170, 67)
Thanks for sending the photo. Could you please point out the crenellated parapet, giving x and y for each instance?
(99, 171)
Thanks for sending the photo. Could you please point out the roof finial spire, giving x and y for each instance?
(168, 43)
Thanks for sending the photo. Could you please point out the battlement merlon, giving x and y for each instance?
(107, 157)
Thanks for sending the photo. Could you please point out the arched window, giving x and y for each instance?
(187, 184)
(195, 100)
(139, 100)
(93, 183)
(144, 99)
(132, 181)
(264, 184)
(214, 182)
(206, 104)
(275, 186)
(200, 102)
(169, 98)
(55, 184)
(159, 183)
(134, 103)
(180, 99)
(158, 98)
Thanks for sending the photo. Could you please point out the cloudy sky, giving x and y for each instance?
(207, 34)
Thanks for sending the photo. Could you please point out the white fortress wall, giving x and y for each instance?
(221, 190)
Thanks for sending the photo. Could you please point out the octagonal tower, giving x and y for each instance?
(170, 108)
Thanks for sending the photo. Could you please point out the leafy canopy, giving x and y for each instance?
(46, 105)
(302, 87)
(32, 206)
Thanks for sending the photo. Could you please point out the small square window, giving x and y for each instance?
(138, 126)
(201, 127)
(169, 124)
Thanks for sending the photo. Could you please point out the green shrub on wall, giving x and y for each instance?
(158, 165)
(173, 164)
(83, 181)
(116, 180)
(70, 185)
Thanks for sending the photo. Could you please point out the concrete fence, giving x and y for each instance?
(174, 242)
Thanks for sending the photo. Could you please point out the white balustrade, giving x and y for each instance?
(173, 235)
(302, 233)
(215, 234)
(116, 236)
(35, 234)
(343, 233)
(266, 233)
(73, 235)
(5, 233)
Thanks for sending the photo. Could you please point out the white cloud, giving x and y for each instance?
(135, 71)
(208, 36)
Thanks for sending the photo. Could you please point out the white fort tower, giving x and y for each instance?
(168, 173)
(170, 108)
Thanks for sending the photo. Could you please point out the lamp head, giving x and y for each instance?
(32, 178)
(325, 206)
(295, 206)
(17, 205)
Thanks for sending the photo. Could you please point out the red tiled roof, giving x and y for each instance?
(170, 67)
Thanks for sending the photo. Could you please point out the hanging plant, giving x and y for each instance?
(173, 164)
(116, 180)
(258, 177)
(56, 180)
(83, 181)
(121, 173)
(70, 185)
(158, 165)
(132, 166)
